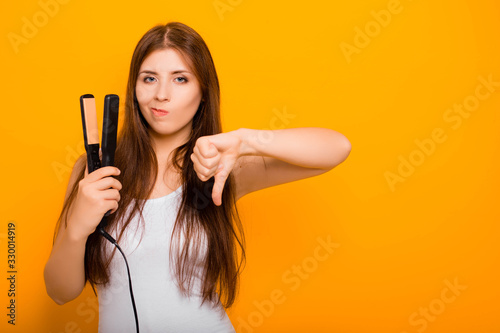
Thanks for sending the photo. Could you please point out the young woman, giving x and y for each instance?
(173, 195)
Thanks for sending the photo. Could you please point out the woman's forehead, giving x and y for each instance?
(165, 61)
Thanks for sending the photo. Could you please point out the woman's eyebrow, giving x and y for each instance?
(148, 71)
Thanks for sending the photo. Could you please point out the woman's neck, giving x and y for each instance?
(164, 145)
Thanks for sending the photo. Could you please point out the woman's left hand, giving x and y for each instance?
(216, 155)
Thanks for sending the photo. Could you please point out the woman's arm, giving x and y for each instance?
(272, 157)
(97, 193)
(64, 271)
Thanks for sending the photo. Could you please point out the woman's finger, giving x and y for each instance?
(207, 162)
(202, 170)
(111, 194)
(103, 172)
(206, 148)
(220, 179)
(108, 182)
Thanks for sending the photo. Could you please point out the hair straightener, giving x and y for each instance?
(91, 140)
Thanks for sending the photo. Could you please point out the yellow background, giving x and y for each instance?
(399, 246)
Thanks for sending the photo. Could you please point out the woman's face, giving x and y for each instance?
(165, 82)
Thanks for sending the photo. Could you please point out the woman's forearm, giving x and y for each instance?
(312, 147)
(65, 271)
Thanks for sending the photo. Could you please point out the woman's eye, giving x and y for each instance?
(147, 79)
(183, 78)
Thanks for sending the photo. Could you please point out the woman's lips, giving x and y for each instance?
(159, 112)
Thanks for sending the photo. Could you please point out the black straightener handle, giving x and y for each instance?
(109, 132)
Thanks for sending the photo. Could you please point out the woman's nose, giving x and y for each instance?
(163, 92)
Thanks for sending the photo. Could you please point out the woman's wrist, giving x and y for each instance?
(75, 235)
(250, 140)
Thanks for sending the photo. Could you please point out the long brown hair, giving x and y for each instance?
(198, 218)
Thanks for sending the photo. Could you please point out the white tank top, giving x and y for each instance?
(160, 306)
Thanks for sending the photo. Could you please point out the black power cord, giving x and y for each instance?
(113, 241)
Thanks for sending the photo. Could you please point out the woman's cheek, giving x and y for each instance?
(191, 97)
(143, 90)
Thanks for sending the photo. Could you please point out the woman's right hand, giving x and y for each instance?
(97, 194)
